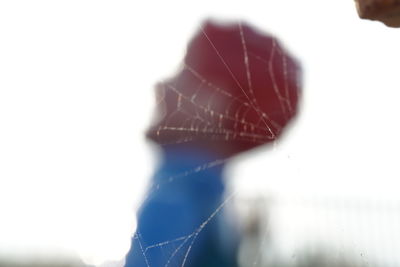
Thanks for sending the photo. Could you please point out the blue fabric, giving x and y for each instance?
(174, 211)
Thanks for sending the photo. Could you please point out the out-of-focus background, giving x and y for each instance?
(76, 94)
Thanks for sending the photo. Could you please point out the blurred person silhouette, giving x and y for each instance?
(236, 90)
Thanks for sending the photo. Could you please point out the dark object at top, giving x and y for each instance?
(386, 11)
(237, 89)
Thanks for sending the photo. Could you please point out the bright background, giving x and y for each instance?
(76, 93)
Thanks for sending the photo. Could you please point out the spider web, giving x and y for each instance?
(209, 110)
(197, 106)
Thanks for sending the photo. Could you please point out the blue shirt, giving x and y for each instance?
(182, 221)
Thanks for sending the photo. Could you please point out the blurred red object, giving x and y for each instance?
(237, 89)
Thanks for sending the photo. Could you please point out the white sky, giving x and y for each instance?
(76, 93)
